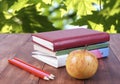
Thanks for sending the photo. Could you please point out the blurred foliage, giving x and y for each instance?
(30, 16)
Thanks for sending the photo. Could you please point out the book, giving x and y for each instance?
(64, 39)
(60, 61)
(41, 49)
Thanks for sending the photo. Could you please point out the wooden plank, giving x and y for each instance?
(21, 48)
(2, 36)
(20, 45)
(103, 75)
(9, 45)
(113, 65)
(25, 54)
(61, 76)
(108, 68)
(11, 42)
(115, 45)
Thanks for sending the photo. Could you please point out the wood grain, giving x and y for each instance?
(20, 45)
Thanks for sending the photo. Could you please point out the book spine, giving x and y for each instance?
(81, 41)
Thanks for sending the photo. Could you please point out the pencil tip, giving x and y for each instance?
(52, 75)
(46, 78)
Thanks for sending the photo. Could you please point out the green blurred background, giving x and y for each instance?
(32, 16)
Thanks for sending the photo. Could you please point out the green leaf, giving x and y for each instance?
(83, 7)
(3, 5)
(111, 8)
(18, 6)
(48, 15)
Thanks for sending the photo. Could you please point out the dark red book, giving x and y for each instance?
(64, 39)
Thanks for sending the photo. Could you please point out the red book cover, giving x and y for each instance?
(63, 39)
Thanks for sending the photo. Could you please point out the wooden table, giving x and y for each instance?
(20, 45)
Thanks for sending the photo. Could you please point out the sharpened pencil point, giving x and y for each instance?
(46, 78)
(52, 75)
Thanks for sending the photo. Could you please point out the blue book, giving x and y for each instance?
(100, 53)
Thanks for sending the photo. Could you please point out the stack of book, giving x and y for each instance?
(53, 47)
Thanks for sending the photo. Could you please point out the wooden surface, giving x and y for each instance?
(20, 45)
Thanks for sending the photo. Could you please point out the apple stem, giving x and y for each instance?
(85, 47)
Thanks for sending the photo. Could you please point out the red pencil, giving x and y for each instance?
(51, 76)
(31, 69)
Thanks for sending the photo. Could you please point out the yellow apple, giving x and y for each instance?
(81, 64)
